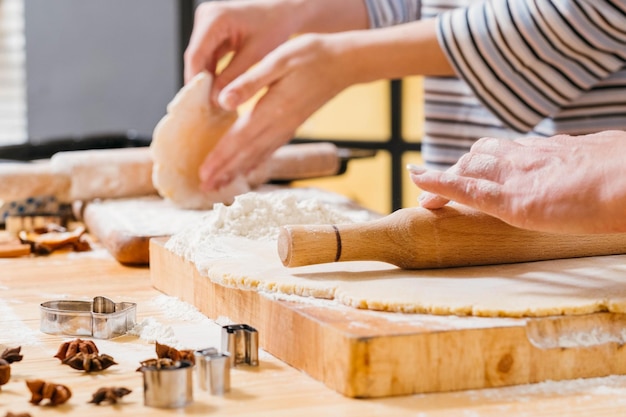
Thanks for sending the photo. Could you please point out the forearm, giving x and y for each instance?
(327, 16)
(396, 52)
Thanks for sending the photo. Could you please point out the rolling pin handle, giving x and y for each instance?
(301, 245)
(284, 246)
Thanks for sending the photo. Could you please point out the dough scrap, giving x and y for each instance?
(182, 139)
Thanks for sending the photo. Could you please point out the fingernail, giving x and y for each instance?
(415, 169)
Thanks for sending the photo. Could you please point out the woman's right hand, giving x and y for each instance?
(562, 184)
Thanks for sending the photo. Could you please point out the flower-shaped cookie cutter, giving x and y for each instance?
(101, 318)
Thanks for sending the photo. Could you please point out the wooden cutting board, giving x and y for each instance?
(365, 354)
(125, 226)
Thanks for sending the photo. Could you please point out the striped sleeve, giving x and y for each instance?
(384, 13)
(527, 59)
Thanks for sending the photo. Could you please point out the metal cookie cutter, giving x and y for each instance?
(100, 318)
(168, 387)
(213, 370)
(242, 344)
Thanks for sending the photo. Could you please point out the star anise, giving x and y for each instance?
(71, 348)
(5, 372)
(12, 354)
(109, 394)
(90, 362)
(41, 390)
(165, 351)
(160, 363)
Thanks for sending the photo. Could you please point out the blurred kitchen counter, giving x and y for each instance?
(273, 388)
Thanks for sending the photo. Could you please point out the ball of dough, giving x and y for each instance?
(182, 139)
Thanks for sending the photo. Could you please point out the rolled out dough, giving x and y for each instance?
(182, 139)
(569, 286)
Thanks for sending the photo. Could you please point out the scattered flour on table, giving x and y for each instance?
(176, 309)
(183, 326)
(94, 253)
(609, 385)
(259, 216)
(152, 330)
(14, 330)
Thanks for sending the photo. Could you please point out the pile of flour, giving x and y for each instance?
(259, 216)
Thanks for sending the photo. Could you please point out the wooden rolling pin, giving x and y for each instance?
(127, 172)
(453, 236)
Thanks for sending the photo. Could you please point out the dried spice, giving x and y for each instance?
(160, 363)
(165, 351)
(49, 228)
(10, 414)
(5, 372)
(7, 357)
(89, 362)
(109, 394)
(49, 241)
(69, 349)
(12, 354)
(56, 394)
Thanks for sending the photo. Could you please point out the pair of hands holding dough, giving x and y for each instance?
(569, 184)
(252, 30)
(299, 74)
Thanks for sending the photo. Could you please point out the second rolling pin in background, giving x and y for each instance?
(453, 236)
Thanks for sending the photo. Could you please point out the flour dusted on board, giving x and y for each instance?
(259, 216)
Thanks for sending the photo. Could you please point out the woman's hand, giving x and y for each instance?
(569, 184)
(252, 28)
(300, 76)
(303, 74)
(249, 29)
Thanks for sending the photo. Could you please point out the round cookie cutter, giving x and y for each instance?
(169, 387)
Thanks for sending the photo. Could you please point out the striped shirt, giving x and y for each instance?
(524, 67)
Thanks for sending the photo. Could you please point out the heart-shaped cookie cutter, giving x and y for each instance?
(101, 318)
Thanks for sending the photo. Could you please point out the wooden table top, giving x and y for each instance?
(273, 388)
